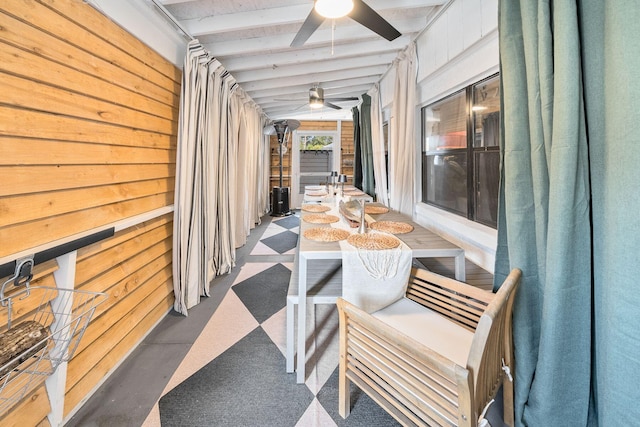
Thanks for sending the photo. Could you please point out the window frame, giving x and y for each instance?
(472, 153)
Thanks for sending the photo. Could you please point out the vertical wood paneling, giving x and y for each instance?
(88, 124)
(347, 146)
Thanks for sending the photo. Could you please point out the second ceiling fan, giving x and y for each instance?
(317, 99)
(360, 13)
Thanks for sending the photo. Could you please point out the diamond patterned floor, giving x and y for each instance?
(230, 370)
(265, 293)
(249, 375)
(246, 384)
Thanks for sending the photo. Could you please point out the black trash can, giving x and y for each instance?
(280, 202)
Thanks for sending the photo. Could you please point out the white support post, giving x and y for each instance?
(65, 279)
(337, 150)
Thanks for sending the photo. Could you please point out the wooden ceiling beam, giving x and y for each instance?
(321, 38)
(328, 65)
(250, 86)
(249, 62)
(271, 16)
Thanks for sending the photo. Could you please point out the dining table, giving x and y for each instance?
(422, 242)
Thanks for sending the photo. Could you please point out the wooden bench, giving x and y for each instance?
(436, 357)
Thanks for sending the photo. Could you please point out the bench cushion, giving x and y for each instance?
(428, 328)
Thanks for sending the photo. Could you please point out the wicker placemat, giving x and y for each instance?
(316, 193)
(326, 234)
(320, 218)
(374, 241)
(370, 209)
(354, 193)
(315, 208)
(393, 227)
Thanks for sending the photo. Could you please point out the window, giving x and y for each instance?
(461, 157)
(316, 142)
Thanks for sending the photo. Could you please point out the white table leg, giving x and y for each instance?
(460, 267)
(302, 319)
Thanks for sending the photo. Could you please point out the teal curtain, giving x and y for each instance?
(357, 150)
(568, 207)
(366, 146)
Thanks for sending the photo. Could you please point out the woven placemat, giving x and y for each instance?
(374, 241)
(316, 193)
(354, 193)
(326, 234)
(393, 227)
(315, 208)
(320, 218)
(375, 209)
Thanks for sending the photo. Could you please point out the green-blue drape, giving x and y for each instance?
(366, 146)
(568, 212)
(357, 156)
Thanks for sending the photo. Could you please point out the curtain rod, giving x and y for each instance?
(424, 30)
(170, 17)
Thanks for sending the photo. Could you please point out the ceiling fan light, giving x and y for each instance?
(334, 8)
(316, 103)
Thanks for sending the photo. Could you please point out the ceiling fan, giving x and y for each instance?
(360, 13)
(317, 99)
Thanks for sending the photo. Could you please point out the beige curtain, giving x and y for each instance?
(190, 271)
(250, 205)
(402, 151)
(377, 138)
(215, 147)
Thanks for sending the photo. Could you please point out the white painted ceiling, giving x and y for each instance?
(251, 38)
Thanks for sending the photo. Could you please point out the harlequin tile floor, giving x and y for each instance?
(224, 364)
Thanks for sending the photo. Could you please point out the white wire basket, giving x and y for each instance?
(62, 315)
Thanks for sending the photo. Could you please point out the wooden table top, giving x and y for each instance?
(420, 240)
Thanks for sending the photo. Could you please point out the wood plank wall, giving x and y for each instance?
(347, 146)
(88, 123)
(275, 164)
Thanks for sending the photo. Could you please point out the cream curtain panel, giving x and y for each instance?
(402, 148)
(377, 139)
(220, 191)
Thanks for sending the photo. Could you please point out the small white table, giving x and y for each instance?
(423, 243)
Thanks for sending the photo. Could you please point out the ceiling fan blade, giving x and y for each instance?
(310, 25)
(351, 98)
(369, 18)
(330, 105)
